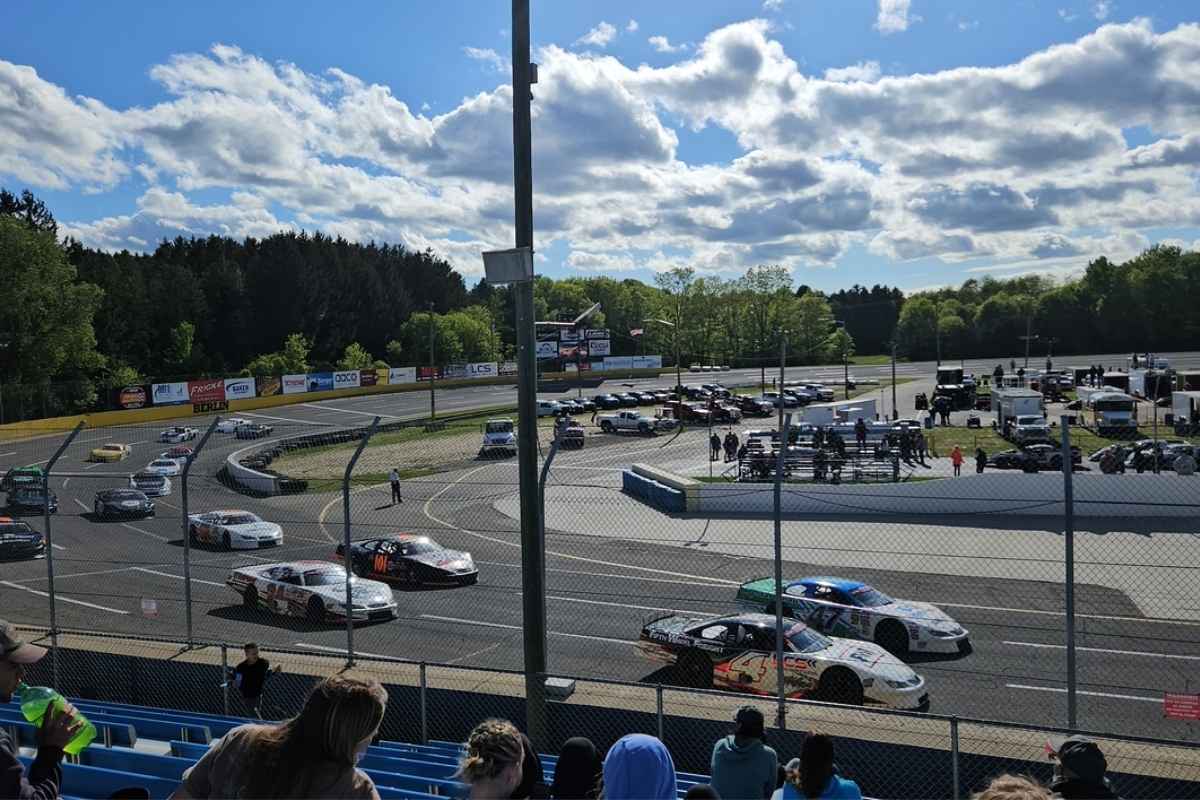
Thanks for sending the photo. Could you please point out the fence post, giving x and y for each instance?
(187, 533)
(658, 704)
(781, 691)
(347, 559)
(954, 755)
(50, 551)
(424, 706)
(1069, 541)
(225, 678)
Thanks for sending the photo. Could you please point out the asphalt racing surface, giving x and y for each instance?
(600, 588)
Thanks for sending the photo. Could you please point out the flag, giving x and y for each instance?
(637, 331)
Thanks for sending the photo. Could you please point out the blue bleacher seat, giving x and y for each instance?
(156, 727)
(97, 782)
(120, 758)
(117, 733)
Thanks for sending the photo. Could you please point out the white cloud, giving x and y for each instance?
(1066, 15)
(893, 16)
(968, 24)
(598, 36)
(663, 45)
(488, 56)
(862, 71)
(631, 26)
(772, 5)
(1101, 9)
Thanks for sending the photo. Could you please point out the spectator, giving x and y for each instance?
(1079, 770)
(250, 676)
(394, 479)
(860, 433)
(639, 767)
(1013, 787)
(45, 773)
(701, 791)
(577, 773)
(742, 765)
(980, 460)
(533, 783)
(906, 444)
(714, 447)
(956, 458)
(813, 774)
(492, 767)
(922, 447)
(310, 755)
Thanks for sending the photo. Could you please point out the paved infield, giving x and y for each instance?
(603, 582)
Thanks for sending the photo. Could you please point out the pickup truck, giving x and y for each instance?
(1028, 429)
(752, 406)
(635, 422)
(688, 412)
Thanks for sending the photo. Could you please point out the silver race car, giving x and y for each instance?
(233, 530)
(314, 590)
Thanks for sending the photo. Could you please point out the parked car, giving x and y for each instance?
(635, 422)
(725, 414)
(628, 400)
(112, 503)
(548, 408)
(687, 412)
(644, 398)
(570, 434)
(1030, 428)
(775, 399)
(752, 406)
(606, 401)
(499, 438)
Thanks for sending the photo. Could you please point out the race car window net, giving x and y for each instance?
(805, 640)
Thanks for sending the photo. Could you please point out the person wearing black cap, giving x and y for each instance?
(1079, 770)
(45, 773)
(743, 766)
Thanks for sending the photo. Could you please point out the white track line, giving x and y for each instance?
(477, 623)
(81, 504)
(144, 532)
(478, 652)
(75, 575)
(1057, 690)
(349, 411)
(1041, 612)
(627, 605)
(1105, 650)
(284, 419)
(176, 577)
(340, 650)
(59, 598)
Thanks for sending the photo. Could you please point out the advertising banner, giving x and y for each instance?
(585, 366)
(169, 394)
(319, 381)
(239, 388)
(368, 377)
(133, 397)
(209, 390)
(381, 376)
(485, 369)
(647, 362)
(569, 350)
(295, 384)
(269, 386)
(618, 362)
(508, 368)
(424, 373)
(402, 375)
(570, 367)
(347, 379)
(547, 349)
(455, 371)
(599, 347)
(596, 333)
(568, 335)
(210, 407)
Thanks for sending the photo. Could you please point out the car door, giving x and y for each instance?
(753, 667)
(386, 562)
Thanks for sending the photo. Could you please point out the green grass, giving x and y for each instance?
(317, 485)
(942, 440)
(871, 361)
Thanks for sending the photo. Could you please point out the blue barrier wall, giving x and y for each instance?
(653, 493)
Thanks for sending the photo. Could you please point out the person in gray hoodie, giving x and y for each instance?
(743, 766)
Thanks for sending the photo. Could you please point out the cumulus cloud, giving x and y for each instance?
(893, 16)
(598, 36)
(862, 71)
(772, 5)
(631, 26)
(487, 56)
(1101, 9)
(663, 45)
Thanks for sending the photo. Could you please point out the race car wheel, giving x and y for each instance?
(840, 685)
(98, 511)
(226, 542)
(695, 670)
(316, 610)
(606, 426)
(250, 597)
(891, 636)
(1056, 462)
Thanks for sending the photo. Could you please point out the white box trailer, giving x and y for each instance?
(825, 414)
(1012, 403)
(1185, 406)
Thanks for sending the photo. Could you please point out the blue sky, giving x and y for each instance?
(854, 148)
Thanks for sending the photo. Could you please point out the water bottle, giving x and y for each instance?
(35, 700)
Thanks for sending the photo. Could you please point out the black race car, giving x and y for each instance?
(111, 503)
(19, 541)
(30, 500)
(253, 430)
(409, 558)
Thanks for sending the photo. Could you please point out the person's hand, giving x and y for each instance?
(58, 727)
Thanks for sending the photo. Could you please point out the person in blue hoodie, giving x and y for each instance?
(743, 766)
(639, 767)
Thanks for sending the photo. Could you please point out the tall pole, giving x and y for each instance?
(937, 338)
(782, 367)
(846, 373)
(49, 548)
(780, 465)
(184, 524)
(1069, 540)
(1028, 338)
(432, 366)
(348, 560)
(895, 413)
(533, 554)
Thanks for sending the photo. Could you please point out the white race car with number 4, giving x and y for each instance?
(233, 530)
(314, 590)
(231, 424)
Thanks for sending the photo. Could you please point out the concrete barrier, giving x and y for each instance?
(247, 478)
(664, 498)
(689, 487)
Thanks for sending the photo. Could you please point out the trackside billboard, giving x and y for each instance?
(347, 379)
(239, 388)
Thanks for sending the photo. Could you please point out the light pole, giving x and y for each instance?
(432, 365)
(1028, 337)
(895, 413)
(675, 328)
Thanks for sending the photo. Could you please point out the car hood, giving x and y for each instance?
(254, 528)
(441, 559)
(868, 657)
(24, 537)
(121, 501)
(361, 591)
(921, 613)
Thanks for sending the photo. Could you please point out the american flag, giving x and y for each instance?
(636, 331)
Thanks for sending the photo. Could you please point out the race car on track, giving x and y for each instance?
(253, 430)
(177, 434)
(737, 652)
(315, 590)
(231, 424)
(855, 610)
(31, 500)
(110, 452)
(164, 466)
(19, 476)
(150, 484)
(233, 530)
(111, 503)
(179, 454)
(19, 541)
(408, 558)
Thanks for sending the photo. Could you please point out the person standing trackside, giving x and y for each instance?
(922, 446)
(980, 460)
(860, 433)
(394, 479)
(250, 677)
(956, 458)
(714, 447)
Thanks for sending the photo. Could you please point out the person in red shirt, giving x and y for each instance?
(956, 458)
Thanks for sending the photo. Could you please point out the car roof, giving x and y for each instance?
(756, 619)
(845, 584)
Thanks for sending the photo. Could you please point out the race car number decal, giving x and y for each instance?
(381, 563)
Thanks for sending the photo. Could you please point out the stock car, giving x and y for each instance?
(18, 541)
(164, 466)
(855, 610)
(177, 434)
(178, 453)
(150, 484)
(231, 424)
(233, 530)
(111, 503)
(315, 590)
(409, 558)
(737, 652)
(253, 430)
(20, 476)
(108, 453)
(31, 500)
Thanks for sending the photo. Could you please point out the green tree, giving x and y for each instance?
(809, 320)
(291, 360)
(355, 356)
(395, 352)
(181, 340)
(29, 209)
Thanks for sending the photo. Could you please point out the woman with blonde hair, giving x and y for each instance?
(311, 755)
(492, 765)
